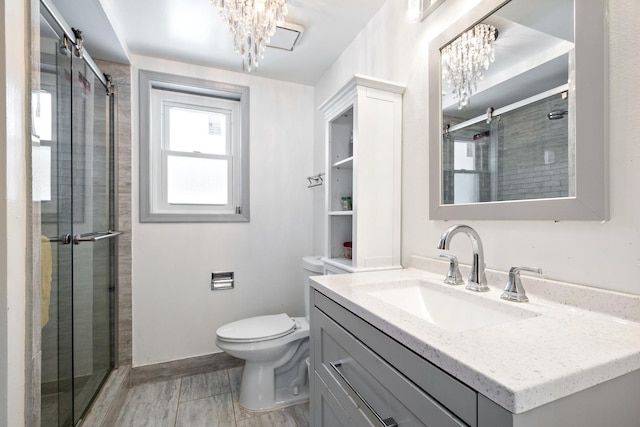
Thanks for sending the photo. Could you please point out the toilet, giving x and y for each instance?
(276, 352)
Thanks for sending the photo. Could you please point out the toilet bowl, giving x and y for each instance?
(275, 349)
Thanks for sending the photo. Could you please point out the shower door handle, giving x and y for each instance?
(94, 237)
(64, 239)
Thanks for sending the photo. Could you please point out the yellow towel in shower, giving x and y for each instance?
(45, 279)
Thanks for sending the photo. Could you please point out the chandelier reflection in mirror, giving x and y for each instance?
(252, 23)
(465, 60)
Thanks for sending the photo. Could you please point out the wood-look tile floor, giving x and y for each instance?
(205, 400)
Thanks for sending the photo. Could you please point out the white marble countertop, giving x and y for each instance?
(519, 365)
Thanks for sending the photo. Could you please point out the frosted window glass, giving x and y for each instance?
(466, 188)
(197, 131)
(464, 156)
(196, 181)
(42, 104)
(41, 173)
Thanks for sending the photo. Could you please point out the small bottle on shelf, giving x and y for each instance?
(346, 247)
(346, 203)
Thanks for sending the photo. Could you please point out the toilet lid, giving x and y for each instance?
(258, 328)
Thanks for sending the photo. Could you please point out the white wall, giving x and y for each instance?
(605, 255)
(14, 57)
(175, 314)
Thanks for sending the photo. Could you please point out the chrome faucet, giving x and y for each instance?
(477, 278)
(514, 291)
(453, 275)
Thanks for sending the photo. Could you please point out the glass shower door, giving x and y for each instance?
(52, 127)
(72, 121)
(93, 247)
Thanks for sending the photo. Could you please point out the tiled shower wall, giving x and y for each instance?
(121, 75)
(33, 330)
(533, 158)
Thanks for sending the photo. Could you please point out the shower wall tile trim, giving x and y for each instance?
(121, 75)
(34, 346)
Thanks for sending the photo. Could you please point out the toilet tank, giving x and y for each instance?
(312, 266)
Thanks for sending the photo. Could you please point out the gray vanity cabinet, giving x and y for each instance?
(364, 381)
(362, 377)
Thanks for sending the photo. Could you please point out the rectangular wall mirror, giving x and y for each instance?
(518, 112)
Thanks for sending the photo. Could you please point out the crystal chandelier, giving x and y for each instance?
(252, 23)
(465, 60)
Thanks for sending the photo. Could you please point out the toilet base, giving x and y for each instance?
(267, 386)
(281, 401)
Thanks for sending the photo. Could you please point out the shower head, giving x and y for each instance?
(557, 114)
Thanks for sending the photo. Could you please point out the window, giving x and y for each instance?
(194, 150)
(465, 173)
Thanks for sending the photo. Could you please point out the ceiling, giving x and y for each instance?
(191, 31)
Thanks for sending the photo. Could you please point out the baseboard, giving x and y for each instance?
(183, 368)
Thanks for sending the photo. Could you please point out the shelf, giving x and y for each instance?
(344, 163)
(341, 262)
(340, 213)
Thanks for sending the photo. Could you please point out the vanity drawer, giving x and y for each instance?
(373, 391)
(376, 361)
(327, 411)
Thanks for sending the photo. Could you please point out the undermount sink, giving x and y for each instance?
(446, 308)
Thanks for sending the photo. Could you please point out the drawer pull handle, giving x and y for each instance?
(354, 394)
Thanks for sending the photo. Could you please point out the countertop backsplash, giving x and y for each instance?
(611, 303)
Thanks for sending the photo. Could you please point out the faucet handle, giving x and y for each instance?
(514, 291)
(453, 275)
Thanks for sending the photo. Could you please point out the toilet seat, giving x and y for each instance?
(255, 329)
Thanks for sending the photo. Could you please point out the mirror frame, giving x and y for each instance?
(590, 85)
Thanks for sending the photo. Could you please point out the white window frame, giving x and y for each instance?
(158, 93)
(161, 103)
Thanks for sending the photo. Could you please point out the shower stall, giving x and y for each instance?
(73, 173)
(519, 152)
